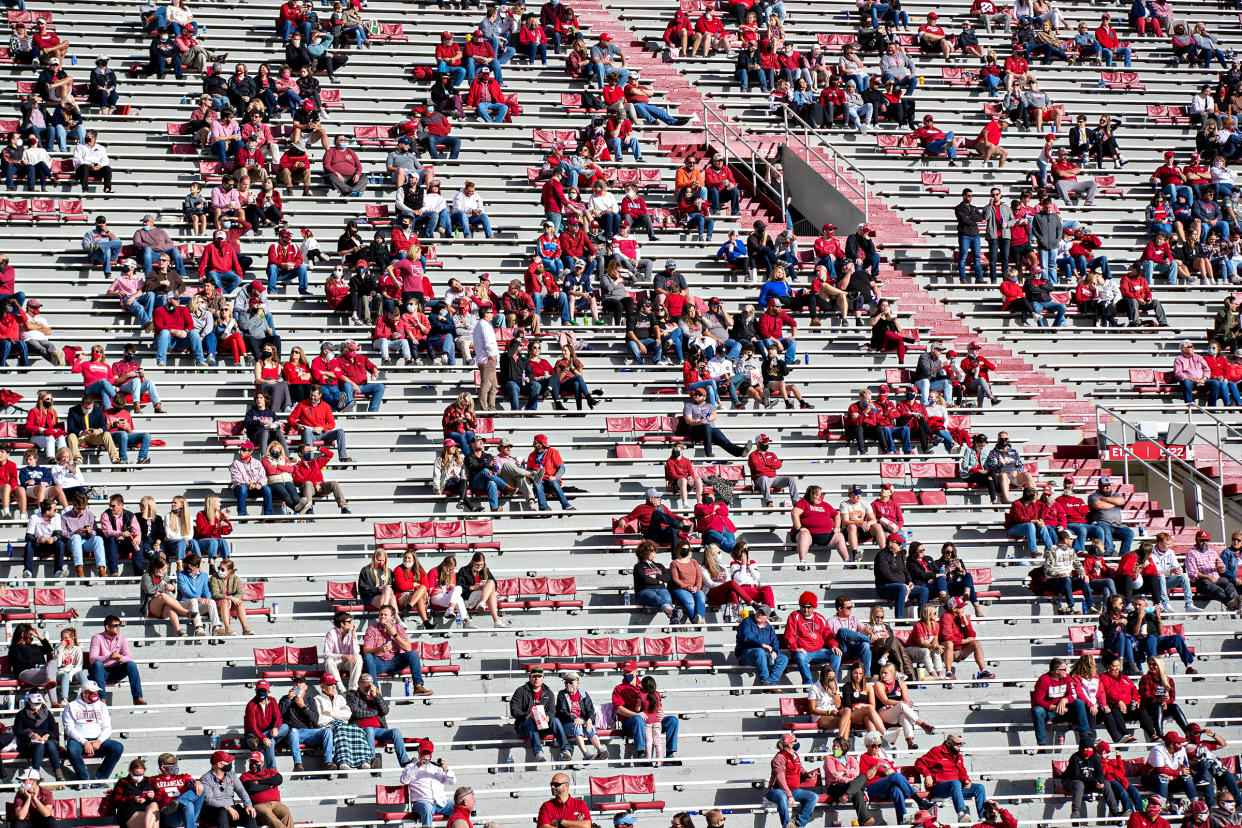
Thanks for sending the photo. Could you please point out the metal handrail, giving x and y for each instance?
(1169, 458)
(838, 159)
(731, 134)
(1219, 423)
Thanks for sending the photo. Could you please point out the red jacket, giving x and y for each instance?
(1049, 690)
(205, 529)
(261, 719)
(942, 765)
(770, 326)
(1117, 691)
(955, 628)
(680, 469)
(1135, 287)
(1007, 821)
(220, 257)
(808, 634)
(552, 196)
(476, 91)
(551, 461)
(1023, 512)
(763, 464)
(179, 319)
(1074, 508)
(715, 178)
(283, 254)
(305, 415)
(311, 471)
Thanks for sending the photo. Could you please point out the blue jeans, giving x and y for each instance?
(472, 67)
(789, 344)
(1158, 644)
(898, 594)
(126, 440)
(1036, 536)
(529, 733)
(336, 436)
(486, 482)
(691, 603)
(896, 788)
(855, 645)
(953, 789)
(9, 345)
(657, 599)
(1169, 271)
(269, 751)
(1055, 307)
(443, 344)
(463, 438)
(636, 727)
(191, 804)
(926, 386)
(211, 548)
(540, 51)
(317, 737)
(458, 73)
(805, 798)
(226, 280)
(1075, 715)
(1121, 52)
(958, 586)
(374, 391)
(654, 352)
(243, 492)
(275, 276)
(388, 734)
(492, 112)
(373, 665)
(600, 70)
(113, 547)
(550, 484)
(164, 342)
(709, 386)
(616, 145)
(651, 113)
(1107, 534)
(103, 388)
(1163, 583)
(1083, 532)
(467, 223)
(965, 246)
(768, 668)
(117, 672)
(105, 253)
(513, 392)
(109, 752)
(426, 810)
(94, 545)
(803, 659)
(725, 540)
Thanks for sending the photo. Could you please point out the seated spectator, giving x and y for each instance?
(110, 659)
(212, 528)
(225, 801)
(858, 521)
(1146, 626)
(758, 647)
(248, 479)
(817, 523)
(699, 418)
(944, 774)
(387, 649)
(711, 518)
(369, 710)
(263, 786)
(652, 579)
(1004, 464)
(87, 725)
(533, 709)
(226, 591)
(33, 805)
(576, 711)
(790, 784)
(957, 636)
(895, 706)
(1026, 519)
(884, 778)
(1054, 701)
(45, 534)
(1167, 768)
(314, 418)
(304, 727)
(424, 780)
(38, 735)
(892, 580)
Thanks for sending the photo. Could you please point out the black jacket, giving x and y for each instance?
(562, 706)
(78, 421)
(652, 575)
(299, 718)
(748, 59)
(523, 699)
(361, 707)
(968, 218)
(859, 247)
(890, 568)
(474, 465)
(1084, 770)
(29, 723)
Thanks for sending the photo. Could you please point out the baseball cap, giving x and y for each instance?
(326, 346)
(957, 603)
(1068, 479)
(605, 36)
(255, 756)
(33, 303)
(261, 684)
(1105, 480)
(829, 227)
(1170, 154)
(896, 538)
(328, 678)
(426, 746)
(569, 676)
(955, 739)
(624, 819)
(350, 345)
(671, 264)
(34, 699)
(650, 493)
(28, 773)
(535, 671)
(219, 234)
(505, 442)
(541, 438)
(1174, 737)
(855, 489)
(1203, 535)
(763, 438)
(90, 687)
(629, 667)
(974, 346)
(932, 15)
(763, 609)
(249, 446)
(221, 756)
(54, 62)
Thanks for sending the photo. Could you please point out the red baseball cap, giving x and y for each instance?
(629, 667)
(426, 746)
(1203, 535)
(256, 756)
(895, 538)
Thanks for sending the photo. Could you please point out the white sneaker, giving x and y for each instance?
(469, 624)
(1191, 609)
(502, 624)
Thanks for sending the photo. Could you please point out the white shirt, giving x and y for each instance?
(67, 479)
(36, 336)
(820, 698)
(1159, 757)
(1165, 561)
(36, 154)
(83, 722)
(82, 154)
(605, 203)
(485, 347)
(720, 366)
(434, 202)
(1223, 174)
(331, 708)
(427, 783)
(463, 203)
(744, 575)
(40, 528)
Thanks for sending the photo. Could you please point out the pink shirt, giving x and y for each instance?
(102, 646)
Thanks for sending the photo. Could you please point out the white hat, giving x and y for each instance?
(28, 773)
(90, 687)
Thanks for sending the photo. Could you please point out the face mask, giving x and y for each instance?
(137, 777)
(795, 746)
(1229, 805)
(1088, 753)
(27, 786)
(172, 770)
(261, 695)
(91, 698)
(628, 678)
(837, 752)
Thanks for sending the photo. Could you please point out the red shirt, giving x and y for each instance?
(1062, 168)
(925, 135)
(991, 133)
(955, 628)
(771, 325)
(763, 463)
(928, 28)
(552, 810)
(818, 518)
(551, 461)
(1168, 174)
(355, 366)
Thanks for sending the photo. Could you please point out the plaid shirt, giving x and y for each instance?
(1200, 561)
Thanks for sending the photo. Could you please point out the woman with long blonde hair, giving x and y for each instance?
(211, 528)
(179, 531)
(375, 582)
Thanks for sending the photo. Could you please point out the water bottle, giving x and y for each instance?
(1039, 786)
(626, 598)
(214, 741)
(409, 688)
(73, 61)
(275, 609)
(509, 766)
(942, 569)
(746, 761)
(806, 358)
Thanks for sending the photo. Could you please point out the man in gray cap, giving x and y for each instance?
(402, 161)
(655, 521)
(153, 241)
(513, 473)
(663, 281)
(758, 647)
